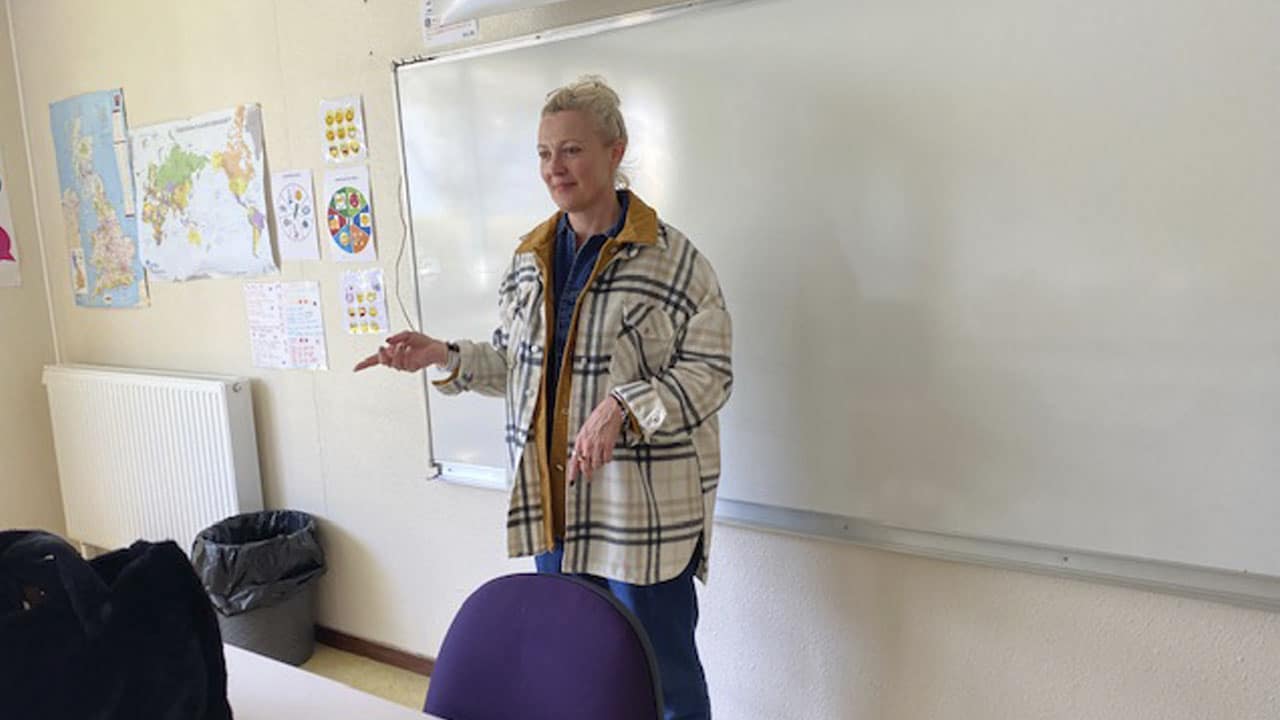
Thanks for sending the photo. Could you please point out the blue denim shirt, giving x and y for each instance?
(572, 268)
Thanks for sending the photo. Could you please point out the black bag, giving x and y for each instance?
(128, 635)
(257, 559)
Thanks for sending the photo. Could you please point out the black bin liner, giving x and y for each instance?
(257, 559)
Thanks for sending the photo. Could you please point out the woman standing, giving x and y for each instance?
(613, 355)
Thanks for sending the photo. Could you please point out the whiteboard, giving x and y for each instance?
(1005, 271)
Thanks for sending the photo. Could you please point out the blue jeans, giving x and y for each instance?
(668, 612)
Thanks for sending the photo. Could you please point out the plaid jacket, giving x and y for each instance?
(650, 326)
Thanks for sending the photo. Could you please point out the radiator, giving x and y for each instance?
(151, 455)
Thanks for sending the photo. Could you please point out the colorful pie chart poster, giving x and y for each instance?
(349, 215)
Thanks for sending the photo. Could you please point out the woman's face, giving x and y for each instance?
(577, 165)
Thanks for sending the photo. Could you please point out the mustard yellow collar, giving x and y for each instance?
(640, 228)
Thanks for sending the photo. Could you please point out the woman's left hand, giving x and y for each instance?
(593, 447)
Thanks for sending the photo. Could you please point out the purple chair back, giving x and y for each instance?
(543, 647)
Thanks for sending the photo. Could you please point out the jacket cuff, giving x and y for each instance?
(453, 367)
(644, 407)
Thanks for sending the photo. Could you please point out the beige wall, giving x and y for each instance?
(792, 628)
(29, 494)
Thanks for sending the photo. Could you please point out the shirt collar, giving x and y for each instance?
(565, 233)
(641, 228)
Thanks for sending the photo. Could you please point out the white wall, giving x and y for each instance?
(797, 628)
(793, 628)
(29, 496)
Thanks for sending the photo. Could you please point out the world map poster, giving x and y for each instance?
(201, 196)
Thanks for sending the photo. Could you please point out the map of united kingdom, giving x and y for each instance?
(90, 143)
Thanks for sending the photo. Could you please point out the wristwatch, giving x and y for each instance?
(626, 412)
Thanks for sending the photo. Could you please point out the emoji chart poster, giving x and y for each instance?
(342, 128)
(364, 302)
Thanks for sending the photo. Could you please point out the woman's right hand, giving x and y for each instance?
(408, 351)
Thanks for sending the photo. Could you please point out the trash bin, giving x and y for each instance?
(260, 570)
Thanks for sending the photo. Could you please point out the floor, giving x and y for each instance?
(399, 686)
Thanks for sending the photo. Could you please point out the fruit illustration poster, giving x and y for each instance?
(295, 215)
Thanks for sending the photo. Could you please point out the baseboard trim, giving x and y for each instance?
(395, 657)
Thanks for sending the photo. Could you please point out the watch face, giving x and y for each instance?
(295, 212)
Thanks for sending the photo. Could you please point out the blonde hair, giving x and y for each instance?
(590, 94)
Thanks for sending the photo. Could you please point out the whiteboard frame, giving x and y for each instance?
(1241, 589)
(1234, 588)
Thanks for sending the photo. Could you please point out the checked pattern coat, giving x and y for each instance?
(651, 328)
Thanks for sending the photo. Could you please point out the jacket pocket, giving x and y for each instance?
(645, 344)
